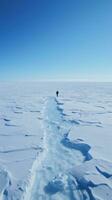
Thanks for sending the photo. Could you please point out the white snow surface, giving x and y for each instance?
(55, 148)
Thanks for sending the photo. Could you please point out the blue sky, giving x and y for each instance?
(56, 40)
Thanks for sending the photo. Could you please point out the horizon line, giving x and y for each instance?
(58, 80)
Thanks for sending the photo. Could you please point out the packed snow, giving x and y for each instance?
(55, 148)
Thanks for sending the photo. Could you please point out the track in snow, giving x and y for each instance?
(60, 172)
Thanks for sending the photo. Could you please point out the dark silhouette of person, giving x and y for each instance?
(57, 93)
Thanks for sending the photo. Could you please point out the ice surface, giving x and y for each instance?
(55, 149)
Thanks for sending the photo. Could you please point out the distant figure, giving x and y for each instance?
(57, 93)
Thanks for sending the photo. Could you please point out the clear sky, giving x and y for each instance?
(56, 40)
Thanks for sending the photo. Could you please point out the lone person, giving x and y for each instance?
(57, 93)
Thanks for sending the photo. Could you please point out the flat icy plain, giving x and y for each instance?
(55, 148)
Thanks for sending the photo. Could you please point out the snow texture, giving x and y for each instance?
(55, 148)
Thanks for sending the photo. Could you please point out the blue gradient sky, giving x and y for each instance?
(56, 40)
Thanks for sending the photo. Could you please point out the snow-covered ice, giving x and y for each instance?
(55, 148)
